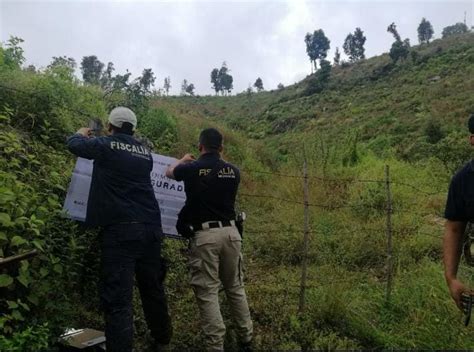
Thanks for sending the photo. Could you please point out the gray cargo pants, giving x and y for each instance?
(215, 259)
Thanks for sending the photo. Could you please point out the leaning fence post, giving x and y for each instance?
(306, 234)
(389, 234)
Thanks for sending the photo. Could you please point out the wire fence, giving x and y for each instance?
(345, 180)
(411, 208)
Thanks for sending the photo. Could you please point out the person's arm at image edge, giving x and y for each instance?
(452, 247)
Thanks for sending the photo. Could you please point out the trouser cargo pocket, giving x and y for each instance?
(196, 272)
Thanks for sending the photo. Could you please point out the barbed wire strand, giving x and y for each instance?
(315, 232)
(294, 201)
(347, 180)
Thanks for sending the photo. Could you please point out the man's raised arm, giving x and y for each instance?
(184, 160)
(80, 144)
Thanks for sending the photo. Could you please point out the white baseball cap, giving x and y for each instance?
(121, 114)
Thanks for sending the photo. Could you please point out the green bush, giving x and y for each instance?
(160, 128)
(32, 339)
(433, 132)
(42, 289)
(453, 151)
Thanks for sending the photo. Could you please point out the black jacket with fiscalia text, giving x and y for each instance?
(121, 189)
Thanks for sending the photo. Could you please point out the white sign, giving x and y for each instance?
(169, 193)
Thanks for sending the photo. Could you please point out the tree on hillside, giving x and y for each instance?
(30, 68)
(354, 45)
(91, 69)
(317, 46)
(393, 29)
(455, 29)
(280, 86)
(62, 67)
(184, 86)
(258, 84)
(190, 89)
(187, 88)
(139, 91)
(106, 80)
(337, 57)
(399, 49)
(167, 85)
(249, 91)
(216, 84)
(425, 31)
(347, 46)
(120, 82)
(12, 53)
(227, 84)
(226, 79)
(146, 80)
(221, 80)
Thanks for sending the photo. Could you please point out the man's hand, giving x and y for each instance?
(457, 288)
(85, 131)
(187, 158)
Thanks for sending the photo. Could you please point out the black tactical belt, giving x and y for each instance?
(213, 225)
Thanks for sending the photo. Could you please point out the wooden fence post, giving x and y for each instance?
(389, 235)
(306, 235)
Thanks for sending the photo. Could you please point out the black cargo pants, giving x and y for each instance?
(129, 249)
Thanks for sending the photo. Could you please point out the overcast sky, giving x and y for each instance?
(187, 39)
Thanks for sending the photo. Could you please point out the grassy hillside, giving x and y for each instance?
(386, 106)
(371, 114)
(410, 116)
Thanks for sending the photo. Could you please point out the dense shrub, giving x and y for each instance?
(433, 132)
(160, 128)
(453, 151)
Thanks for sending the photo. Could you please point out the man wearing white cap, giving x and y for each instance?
(123, 204)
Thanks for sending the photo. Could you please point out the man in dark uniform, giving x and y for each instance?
(215, 250)
(459, 211)
(122, 203)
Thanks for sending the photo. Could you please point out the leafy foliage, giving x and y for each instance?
(160, 128)
(63, 67)
(399, 49)
(354, 45)
(258, 84)
(11, 55)
(91, 68)
(337, 57)
(32, 339)
(320, 79)
(187, 88)
(455, 29)
(317, 46)
(167, 85)
(221, 80)
(425, 31)
(453, 151)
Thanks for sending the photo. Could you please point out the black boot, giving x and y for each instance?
(245, 347)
